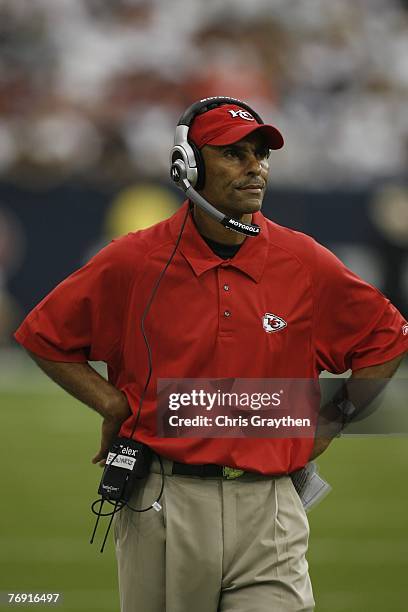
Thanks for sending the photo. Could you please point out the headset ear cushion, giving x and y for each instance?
(200, 166)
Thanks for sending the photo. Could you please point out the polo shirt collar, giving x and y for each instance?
(250, 259)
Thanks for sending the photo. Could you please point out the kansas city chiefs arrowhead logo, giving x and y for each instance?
(272, 323)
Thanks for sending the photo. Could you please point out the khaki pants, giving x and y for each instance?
(216, 546)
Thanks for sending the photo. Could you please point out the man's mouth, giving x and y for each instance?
(252, 187)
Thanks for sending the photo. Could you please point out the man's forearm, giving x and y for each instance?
(86, 385)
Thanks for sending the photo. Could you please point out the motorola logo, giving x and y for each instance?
(249, 228)
(175, 173)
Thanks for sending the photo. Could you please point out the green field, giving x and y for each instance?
(358, 552)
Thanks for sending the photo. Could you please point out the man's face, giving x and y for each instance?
(236, 175)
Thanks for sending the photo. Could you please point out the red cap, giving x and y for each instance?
(227, 124)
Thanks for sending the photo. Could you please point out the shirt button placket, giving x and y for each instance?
(225, 303)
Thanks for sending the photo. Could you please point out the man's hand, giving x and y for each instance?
(110, 429)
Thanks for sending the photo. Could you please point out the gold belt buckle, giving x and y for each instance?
(230, 473)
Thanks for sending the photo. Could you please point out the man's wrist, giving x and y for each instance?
(117, 407)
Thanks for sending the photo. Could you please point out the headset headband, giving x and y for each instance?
(207, 104)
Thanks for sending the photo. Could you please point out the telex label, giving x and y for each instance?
(121, 461)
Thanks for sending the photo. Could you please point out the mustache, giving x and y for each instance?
(253, 183)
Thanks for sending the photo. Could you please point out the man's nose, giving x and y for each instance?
(254, 165)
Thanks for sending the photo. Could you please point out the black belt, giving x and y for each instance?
(207, 470)
(211, 470)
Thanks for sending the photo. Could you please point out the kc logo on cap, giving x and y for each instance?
(243, 114)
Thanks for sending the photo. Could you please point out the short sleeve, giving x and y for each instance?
(355, 325)
(82, 318)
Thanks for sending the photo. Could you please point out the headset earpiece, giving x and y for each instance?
(196, 174)
(183, 151)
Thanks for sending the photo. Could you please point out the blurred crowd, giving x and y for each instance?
(93, 89)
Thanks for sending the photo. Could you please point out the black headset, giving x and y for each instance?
(187, 165)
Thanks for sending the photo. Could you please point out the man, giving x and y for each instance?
(219, 544)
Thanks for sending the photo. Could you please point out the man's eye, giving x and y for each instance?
(231, 153)
(264, 153)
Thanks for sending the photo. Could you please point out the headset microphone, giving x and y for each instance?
(179, 176)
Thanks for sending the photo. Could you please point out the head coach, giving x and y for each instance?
(222, 292)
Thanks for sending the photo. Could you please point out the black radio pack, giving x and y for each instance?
(127, 462)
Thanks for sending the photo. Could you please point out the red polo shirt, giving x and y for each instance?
(207, 321)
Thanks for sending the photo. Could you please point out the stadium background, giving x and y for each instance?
(90, 92)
